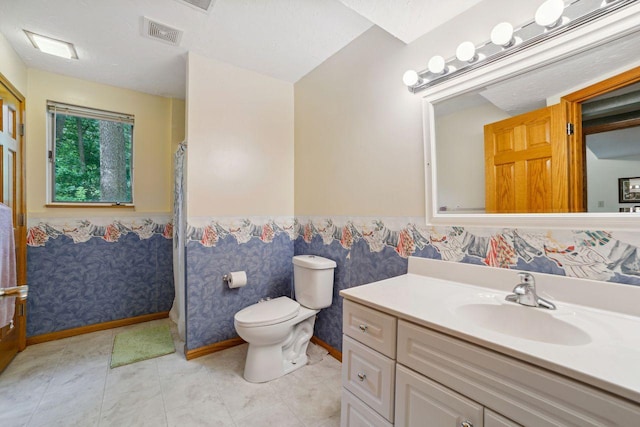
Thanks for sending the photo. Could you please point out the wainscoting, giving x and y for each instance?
(92, 274)
(211, 305)
(86, 274)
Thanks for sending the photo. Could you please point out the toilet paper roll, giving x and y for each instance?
(237, 279)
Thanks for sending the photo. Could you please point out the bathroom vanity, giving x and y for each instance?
(430, 349)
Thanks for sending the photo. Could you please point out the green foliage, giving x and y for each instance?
(77, 159)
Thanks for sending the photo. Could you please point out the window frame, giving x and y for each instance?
(54, 107)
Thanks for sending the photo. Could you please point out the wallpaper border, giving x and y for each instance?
(589, 254)
(108, 229)
(592, 254)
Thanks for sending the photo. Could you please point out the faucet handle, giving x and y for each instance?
(527, 278)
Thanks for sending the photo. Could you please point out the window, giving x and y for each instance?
(90, 155)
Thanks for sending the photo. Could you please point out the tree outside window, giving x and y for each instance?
(91, 155)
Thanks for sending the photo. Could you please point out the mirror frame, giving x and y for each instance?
(581, 39)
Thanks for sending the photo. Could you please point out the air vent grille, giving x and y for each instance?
(158, 31)
(203, 5)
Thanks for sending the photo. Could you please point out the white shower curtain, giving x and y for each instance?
(178, 312)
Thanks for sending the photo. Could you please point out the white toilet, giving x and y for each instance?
(278, 330)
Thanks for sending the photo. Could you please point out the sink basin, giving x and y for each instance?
(531, 323)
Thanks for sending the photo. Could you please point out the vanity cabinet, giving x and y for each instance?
(369, 375)
(368, 366)
(430, 378)
(371, 327)
(517, 390)
(420, 401)
(491, 419)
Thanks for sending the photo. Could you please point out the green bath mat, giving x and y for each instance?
(141, 344)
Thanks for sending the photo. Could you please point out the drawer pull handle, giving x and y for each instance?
(362, 376)
(466, 423)
(363, 328)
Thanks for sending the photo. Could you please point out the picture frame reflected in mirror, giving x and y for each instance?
(629, 190)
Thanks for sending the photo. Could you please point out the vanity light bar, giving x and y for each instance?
(552, 18)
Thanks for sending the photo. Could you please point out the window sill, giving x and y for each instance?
(90, 205)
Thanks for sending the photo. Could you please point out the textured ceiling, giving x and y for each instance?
(409, 19)
(618, 144)
(532, 90)
(284, 39)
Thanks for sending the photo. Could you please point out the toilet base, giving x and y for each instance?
(268, 362)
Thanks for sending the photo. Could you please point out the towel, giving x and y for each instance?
(7, 264)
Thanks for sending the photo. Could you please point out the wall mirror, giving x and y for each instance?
(601, 157)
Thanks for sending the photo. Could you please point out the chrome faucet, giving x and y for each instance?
(525, 293)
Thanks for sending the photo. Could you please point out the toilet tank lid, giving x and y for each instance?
(314, 262)
(269, 312)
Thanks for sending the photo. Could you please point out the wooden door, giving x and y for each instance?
(526, 163)
(13, 337)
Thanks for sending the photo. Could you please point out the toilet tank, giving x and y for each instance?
(313, 280)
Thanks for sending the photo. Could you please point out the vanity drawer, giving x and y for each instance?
(370, 327)
(526, 394)
(420, 400)
(354, 413)
(369, 375)
(491, 419)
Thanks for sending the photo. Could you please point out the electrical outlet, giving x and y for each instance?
(601, 204)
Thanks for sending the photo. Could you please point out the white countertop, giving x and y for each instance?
(609, 359)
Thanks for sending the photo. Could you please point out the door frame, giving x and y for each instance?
(572, 109)
(21, 225)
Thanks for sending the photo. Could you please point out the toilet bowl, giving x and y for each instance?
(277, 348)
(279, 330)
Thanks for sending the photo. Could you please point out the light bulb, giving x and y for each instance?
(466, 52)
(411, 78)
(549, 14)
(502, 35)
(437, 65)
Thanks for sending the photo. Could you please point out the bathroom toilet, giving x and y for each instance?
(278, 330)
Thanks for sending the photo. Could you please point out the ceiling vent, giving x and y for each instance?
(201, 5)
(157, 31)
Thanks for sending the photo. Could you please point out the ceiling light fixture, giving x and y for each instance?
(437, 65)
(411, 78)
(52, 46)
(502, 35)
(549, 14)
(466, 52)
(553, 17)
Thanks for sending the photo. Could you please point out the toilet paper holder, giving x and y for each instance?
(235, 279)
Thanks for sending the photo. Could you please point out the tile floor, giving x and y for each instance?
(69, 383)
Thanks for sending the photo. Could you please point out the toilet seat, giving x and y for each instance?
(269, 312)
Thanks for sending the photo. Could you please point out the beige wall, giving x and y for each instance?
(358, 134)
(460, 137)
(12, 67)
(358, 131)
(152, 142)
(240, 136)
(178, 121)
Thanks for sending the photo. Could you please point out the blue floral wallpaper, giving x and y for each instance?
(355, 266)
(215, 250)
(80, 273)
(367, 250)
(211, 305)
